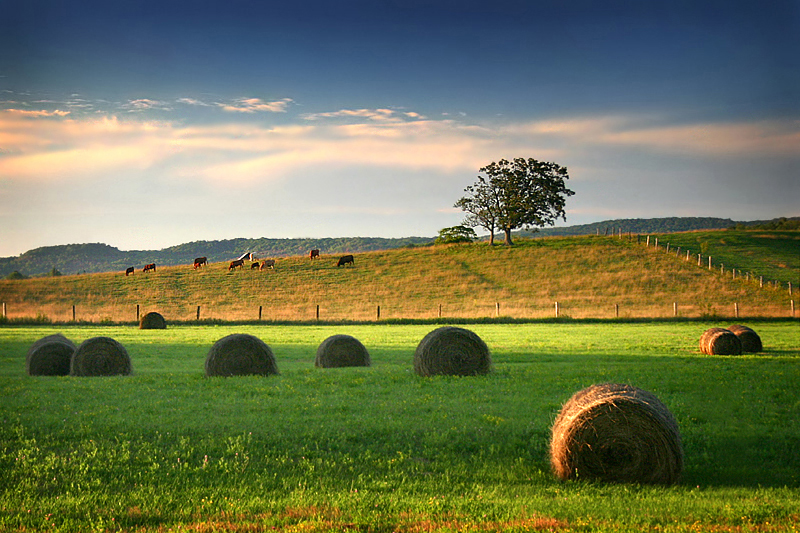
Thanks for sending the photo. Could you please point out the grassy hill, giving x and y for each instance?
(588, 276)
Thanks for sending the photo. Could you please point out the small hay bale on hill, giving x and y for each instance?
(341, 350)
(50, 356)
(452, 351)
(240, 354)
(750, 340)
(616, 433)
(720, 341)
(152, 320)
(100, 356)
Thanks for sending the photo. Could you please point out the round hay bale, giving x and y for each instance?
(750, 340)
(240, 354)
(341, 350)
(720, 341)
(50, 356)
(100, 356)
(452, 351)
(152, 320)
(616, 433)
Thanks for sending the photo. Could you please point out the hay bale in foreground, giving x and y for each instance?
(720, 341)
(452, 351)
(50, 356)
(616, 433)
(100, 356)
(340, 351)
(152, 320)
(750, 340)
(240, 354)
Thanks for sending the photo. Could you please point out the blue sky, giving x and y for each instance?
(147, 124)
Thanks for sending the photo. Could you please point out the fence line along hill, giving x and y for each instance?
(588, 277)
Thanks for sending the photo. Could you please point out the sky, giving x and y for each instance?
(146, 124)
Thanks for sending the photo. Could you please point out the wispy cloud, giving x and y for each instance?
(145, 104)
(254, 105)
(376, 115)
(192, 101)
(38, 113)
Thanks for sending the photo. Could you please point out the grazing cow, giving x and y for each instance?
(128, 271)
(254, 266)
(345, 260)
(313, 254)
(267, 263)
(236, 263)
(200, 261)
(151, 266)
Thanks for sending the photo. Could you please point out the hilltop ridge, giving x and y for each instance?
(100, 257)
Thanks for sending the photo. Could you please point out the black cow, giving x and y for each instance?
(254, 266)
(151, 266)
(128, 271)
(236, 263)
(314, 253)
(345, 260)
(200, 261)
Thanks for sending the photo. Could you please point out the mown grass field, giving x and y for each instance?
(381, 449)
(589, 277)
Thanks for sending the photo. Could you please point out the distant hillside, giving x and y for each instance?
(97, 257)
(662, 225)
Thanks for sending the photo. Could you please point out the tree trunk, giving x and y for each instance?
(491, 238)
(508, 237)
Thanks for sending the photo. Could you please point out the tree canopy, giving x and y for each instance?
(456, 234)
(523, 193)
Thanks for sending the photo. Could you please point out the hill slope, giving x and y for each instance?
(588, 276)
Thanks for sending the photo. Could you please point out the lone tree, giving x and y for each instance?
(523, 193)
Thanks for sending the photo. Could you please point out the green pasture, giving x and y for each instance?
(380, 449)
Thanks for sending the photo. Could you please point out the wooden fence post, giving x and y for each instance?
(736, 309)
(4, 310)
(699, 256)
(792, 308)
(674, 308)
(556, 309)
(73, 312)
(709, 262)
(440, 305)
(259, 312)
(648, 241)
(379, 312)
(317, 311)
(198, 312)
(497, 308)
(761, 282)
(616, 310)
(137, 312)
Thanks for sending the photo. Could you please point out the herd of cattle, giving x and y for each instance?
(200, 262)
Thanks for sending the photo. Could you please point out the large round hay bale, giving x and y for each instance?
(152, 320)
(720, 341)
(340, 351)
(240, 354)
(50, 356)
(750, 340)
(100, 356)
(616, 433)
(452, 351)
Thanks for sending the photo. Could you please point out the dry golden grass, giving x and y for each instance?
(587, 276)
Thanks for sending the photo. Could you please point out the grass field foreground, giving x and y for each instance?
(381, 449)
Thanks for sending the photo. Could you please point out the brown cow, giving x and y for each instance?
(200, 261)
(268, 263)
(313, 254)
(345, 260)
(236, 263)
(128, 271)
(149, 267)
